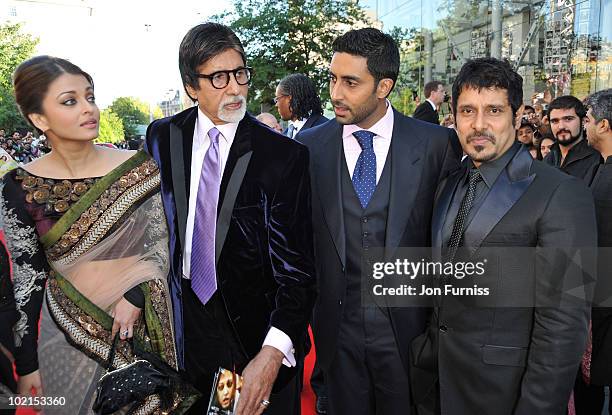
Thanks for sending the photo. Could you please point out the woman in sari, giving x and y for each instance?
(88, 241)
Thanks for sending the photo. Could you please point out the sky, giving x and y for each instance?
(130, 47)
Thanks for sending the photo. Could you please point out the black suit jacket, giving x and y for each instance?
(264, 250)
(488, 356)
(420, 155)
(425, 112)
(601, 358)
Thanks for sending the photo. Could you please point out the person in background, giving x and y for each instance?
(269, 120)
(297, 101)
(525, 132)
(435, 95)
(546, 144)
(596, 369)
(571, 153)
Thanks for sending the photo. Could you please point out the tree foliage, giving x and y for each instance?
(15, 47)
(111, 127)
(282, 37)
(410, 79)
(133, 112)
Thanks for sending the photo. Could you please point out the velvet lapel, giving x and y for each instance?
(511, 184)
(181, 141)
(327, 172)
(406, 156)
(233, 175)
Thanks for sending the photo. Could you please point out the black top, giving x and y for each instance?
(579, 160)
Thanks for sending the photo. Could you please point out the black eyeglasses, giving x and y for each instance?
(220, 79)
(276, 99)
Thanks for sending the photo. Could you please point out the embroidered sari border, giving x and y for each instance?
(83, 303)
(154, 326)
(73, 214)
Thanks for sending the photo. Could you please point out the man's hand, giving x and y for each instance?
(257, 380)
(26, 383)
(125, 315)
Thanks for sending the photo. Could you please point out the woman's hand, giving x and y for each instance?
(26, 383)
(125, 315)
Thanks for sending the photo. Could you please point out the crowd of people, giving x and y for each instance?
(182, 277)
(23, 149)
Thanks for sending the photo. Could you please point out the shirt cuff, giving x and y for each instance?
(279, 340)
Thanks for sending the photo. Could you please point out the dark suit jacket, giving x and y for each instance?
(601, 358)
(265, 268)
(425, 112)
(312, 121)
(420, 155)
(488, 356)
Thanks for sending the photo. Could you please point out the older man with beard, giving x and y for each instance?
(237, 200)
(571, 153)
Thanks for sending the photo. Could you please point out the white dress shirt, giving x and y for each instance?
(432, 104)
(297, 125)
(382, 142)
(201, 141)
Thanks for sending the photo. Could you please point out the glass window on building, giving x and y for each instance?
(558, 46)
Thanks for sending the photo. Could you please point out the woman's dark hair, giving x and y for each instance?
(377, 47)
(32, 78)
(200, 44)
(489, 73)
(304, 98)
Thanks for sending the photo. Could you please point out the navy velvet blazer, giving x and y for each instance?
(264, 249)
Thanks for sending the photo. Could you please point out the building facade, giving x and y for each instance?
(558, 46)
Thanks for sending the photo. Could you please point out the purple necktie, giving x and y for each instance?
(203, 272)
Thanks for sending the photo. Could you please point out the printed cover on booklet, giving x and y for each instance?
(225, 393)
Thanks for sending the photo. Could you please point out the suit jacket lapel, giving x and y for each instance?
(511, 184)
(181, 141)
(406, 156)
(328, 176)
(233, 176)
(442, 204)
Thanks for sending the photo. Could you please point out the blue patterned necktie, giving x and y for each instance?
(290, 131)
(364, 176)
(203, 272)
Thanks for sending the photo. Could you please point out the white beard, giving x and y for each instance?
(232, 116)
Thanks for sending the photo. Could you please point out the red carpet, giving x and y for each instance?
(308, 396)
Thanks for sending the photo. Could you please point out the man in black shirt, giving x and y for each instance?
(598, 124)
(571, 153)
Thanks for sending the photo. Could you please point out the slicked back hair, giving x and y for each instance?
(489, 73)
(377, 47)
(202, 43)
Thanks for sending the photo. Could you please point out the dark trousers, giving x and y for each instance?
(588, 399)
(210, 343)
(317, 381)
(366, 376)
